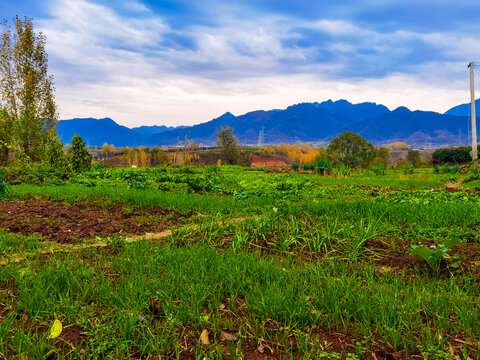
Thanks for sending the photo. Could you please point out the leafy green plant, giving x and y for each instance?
(379, 170)
(79, 156)
(294, 166)
(4, 193)
(323, 167)
(434, 255)
(408, 169)
(450, 169)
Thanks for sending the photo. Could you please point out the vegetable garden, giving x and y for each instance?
(226, 262)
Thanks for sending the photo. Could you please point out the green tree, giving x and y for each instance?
(6, 136)
(54, 155)
(228, 144)
(79, 157)
(413, 157)
(26, 88)
(351, 149)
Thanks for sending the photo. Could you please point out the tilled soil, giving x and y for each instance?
(68, 223)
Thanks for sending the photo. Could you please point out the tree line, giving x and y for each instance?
(28, 113)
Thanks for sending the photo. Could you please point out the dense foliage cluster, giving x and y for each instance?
(456, 155)
(29, 117)
(79, 156)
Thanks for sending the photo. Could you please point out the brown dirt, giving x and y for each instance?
(259, 161)
(67, 223)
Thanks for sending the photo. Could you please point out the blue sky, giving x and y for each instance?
(177, 62)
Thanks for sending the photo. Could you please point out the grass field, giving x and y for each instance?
(234, 263)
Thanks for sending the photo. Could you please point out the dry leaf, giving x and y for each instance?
(228, 336)
(451, 349)
(56, 329)
(204, 337)
(260, 348)
(390, 346)
(222, 306)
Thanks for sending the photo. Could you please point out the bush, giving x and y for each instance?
(35, 174)
(79, 156)
(379, 170)
(459, 155)
(323, 167)
(308, 167)
(450, 169)
(408, 169)
(294, 166)
(4, 194)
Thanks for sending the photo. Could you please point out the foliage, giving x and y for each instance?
(398, 145)
(79, 157)
(55, 156)
(35, 174)
(6, 135)
(351, 150)
(413, 157)
(228, 144)
(382, 156)
(450, 169)
(433, 255)
(302, 154)
(26, 88)
(379, 170)
(458, 155)
(294, 166)
(4, 193)
(408, 169)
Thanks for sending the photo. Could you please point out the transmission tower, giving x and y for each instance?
(473, 115)
(261, 137)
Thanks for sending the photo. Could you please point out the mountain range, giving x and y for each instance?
(305, 122)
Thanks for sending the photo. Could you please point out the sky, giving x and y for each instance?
(183, 62)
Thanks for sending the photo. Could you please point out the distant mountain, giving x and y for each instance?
(414, 127)
(464, 109)
(155, 129)
(96, 132)
(305, 122)
(301, 122)
(351, 113)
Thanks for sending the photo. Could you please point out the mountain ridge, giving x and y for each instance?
(303, 122)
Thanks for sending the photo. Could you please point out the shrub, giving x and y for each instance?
(294, 166)
(308, 167)
(323, 166)
(459, 155)
(79, 156)
(379, 170)
(4, 194)
(450, 169)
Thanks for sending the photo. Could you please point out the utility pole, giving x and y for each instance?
(474, 118)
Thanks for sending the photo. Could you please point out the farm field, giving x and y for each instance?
(177, 262)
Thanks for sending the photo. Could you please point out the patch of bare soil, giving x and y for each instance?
(259, 160)
(400, 260)
(67, 223)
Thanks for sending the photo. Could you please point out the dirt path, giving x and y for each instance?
(54, 247)
(454, 185)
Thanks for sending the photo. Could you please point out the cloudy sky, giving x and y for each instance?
(181, 62)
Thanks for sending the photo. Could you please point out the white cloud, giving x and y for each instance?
(106, 64)
(135, 6)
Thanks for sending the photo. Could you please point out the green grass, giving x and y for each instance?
(109, 299)
(311, 256)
